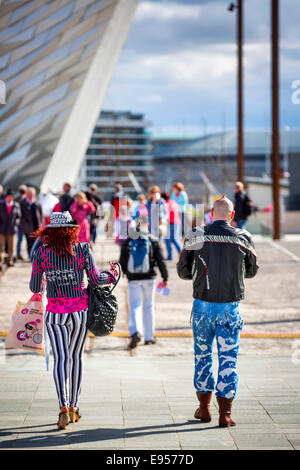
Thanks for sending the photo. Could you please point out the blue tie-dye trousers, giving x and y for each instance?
(223, 321)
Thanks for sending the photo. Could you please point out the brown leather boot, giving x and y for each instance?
(225, 420)
(203, 412)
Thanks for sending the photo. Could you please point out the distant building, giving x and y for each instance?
(56, 59)
(215, 155)
(119, 147)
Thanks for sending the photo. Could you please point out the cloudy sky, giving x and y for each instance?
(178, 66)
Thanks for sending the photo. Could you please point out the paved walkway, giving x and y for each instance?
(148, 403)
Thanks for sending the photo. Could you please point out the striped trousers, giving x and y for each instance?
(67, 333)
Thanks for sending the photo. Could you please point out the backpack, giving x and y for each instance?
(247, 206)
(139, 256)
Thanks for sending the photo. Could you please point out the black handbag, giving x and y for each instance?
(102, 307)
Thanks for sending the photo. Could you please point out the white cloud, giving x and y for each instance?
(153, 98)
(167, 11)
(192, 68)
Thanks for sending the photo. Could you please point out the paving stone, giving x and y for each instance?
(286, 418)
(262, 441)
(208, 446)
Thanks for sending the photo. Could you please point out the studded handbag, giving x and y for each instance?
(102, 307)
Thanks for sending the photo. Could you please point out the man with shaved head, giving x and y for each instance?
(216, 258)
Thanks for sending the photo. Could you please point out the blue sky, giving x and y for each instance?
(178, 66)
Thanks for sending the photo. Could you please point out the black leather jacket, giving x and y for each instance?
(217, 257)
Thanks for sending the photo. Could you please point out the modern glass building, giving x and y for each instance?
(120, 150)
(56, 61)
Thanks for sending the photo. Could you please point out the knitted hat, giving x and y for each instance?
(61, 219)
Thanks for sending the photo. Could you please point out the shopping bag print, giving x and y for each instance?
(27, 326)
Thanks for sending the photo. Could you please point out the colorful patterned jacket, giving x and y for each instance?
(64, 274)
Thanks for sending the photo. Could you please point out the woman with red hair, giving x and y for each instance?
(63, 260)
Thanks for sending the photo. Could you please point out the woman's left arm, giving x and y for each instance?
(35, 283)
(103, 277)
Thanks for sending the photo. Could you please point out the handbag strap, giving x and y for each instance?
(89, 269)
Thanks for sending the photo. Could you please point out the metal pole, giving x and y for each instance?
(240, 142)
(275, 153)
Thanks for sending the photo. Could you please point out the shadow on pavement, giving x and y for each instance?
(81, 436)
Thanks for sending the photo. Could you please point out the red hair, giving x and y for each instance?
(61, 239)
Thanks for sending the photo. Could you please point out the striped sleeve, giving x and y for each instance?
(35, 284)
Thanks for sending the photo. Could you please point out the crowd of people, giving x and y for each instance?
(23, 213)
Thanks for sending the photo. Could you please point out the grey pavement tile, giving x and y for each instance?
(244, 404)
(242, 431)
(150, 444)
(255, 412)
(252, 419)
(257, 447)
(295, 442)
(202, 440)
(11, 424)
(30, 446)
(8, 436)
(37, 442)
(281, 410)
(138, 416)
(41, 421)
(101, 420)
(16, 395)
(214, 446)
(42, 448)
(289, 428)
(286, 418)
(262, 441)
(95, 440)
(162, 429)
(135, 422)
(292, 435)
(147, 406)
(157, 436)
(93, 447)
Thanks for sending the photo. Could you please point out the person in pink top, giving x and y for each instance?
(80, 209)
(174, 222)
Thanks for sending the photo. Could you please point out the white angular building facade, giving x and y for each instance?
(57, 58)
